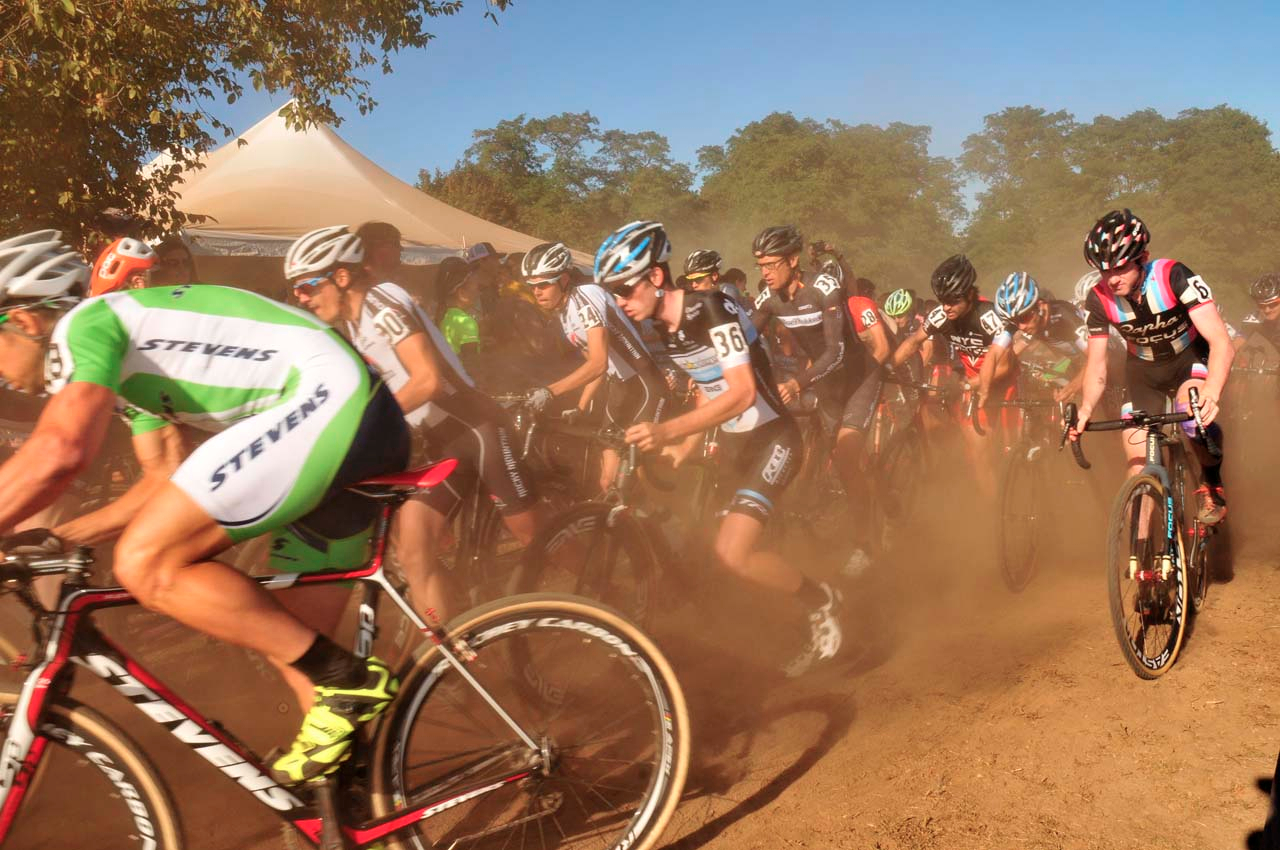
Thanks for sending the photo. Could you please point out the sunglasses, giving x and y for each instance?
(309, 285)
(625, 289)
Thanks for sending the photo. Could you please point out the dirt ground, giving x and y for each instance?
(960, 716)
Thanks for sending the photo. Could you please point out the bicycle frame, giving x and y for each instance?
(72, 642)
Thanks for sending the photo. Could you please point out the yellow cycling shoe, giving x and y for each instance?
(324, 741)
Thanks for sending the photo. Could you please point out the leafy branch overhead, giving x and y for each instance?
(91, 89)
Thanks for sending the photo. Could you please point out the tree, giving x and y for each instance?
(874, 191)
(562, 177)
(90, 90)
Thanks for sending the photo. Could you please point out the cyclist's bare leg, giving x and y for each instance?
(163, 559)
(609, 461)
(735, 551)
(418, 531)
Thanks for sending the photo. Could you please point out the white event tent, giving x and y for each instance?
(261, 191)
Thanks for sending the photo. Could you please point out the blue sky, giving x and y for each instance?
(710, 67)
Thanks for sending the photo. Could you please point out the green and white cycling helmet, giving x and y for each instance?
(39, 268)
(898, 303)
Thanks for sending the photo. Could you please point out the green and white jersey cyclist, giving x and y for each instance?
(296, 416)
(1049, 336)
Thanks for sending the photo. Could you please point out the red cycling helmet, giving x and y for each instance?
(118, 262)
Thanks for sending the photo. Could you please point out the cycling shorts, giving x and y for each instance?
(758, 465)
(854, 412)
(1148, 383)
(474, 430)
(338, 426)
(640, 398)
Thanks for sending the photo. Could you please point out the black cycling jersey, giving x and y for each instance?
(713, 336)
(1058, 350)
(819, 320)
(1155, 319)
(970, 335)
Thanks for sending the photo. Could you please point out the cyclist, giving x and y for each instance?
(616, 360)
(1050, 335)
(1263, 327)
(702, 271)
(296, 416)
(1173, 343)
(706, 334)
(970, 325)
(447, 415)
(817, 316)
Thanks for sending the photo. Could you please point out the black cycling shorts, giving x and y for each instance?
(1149, 383)
(475, 431)
(640, 398)
(758, 466)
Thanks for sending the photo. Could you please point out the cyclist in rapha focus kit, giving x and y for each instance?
(1174, 343)
(296, 417)
(706, 335)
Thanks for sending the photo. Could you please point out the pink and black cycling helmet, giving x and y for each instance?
(1117, 238)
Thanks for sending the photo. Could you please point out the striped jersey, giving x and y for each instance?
(588, 306)
(1155, 319)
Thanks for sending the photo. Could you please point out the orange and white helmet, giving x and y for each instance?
(119, 261)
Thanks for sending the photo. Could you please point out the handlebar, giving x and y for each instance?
(1139, 419)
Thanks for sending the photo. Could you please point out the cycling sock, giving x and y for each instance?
(326, 663)
(810, 594)
(1212, 475)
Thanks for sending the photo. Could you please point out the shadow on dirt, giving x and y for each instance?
(1268, 838)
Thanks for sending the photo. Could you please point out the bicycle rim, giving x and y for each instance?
(588, 686)
(1021, 501)
(119, 799)
(593, 552)
(1148, 610)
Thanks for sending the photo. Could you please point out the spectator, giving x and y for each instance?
(174, 264)
(382, 248)
(461, 293)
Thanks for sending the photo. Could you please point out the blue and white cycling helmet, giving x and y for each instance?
(630, 251)
(1018, 294)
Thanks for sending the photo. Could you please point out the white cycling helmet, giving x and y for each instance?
(321, 250)
(39, 265)
(1083, 285)
(546, 261)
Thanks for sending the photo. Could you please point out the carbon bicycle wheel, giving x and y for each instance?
(1146, 577)
(1021, 502)
(1195, 536)
(595, 694)
(595, 551)
(95, 771)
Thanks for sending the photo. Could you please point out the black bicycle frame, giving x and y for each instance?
(74, 641)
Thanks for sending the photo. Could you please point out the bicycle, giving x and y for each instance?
(529, 717)
(1158, 569)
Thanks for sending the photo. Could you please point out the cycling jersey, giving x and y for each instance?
(970, 335)
(1059, 348)
(1155, 319)
(460, 328)
(588, 306)
(713, 336)
(864, 313)
(817, 317)
(296, 413)
(460, 421)
(388, 317)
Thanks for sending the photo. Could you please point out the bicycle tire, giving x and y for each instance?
(1021, 502)
(439, 732)
(1158, 609)
(595, 551)
(898, 473)
(100, 752)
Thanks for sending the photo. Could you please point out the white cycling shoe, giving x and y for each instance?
(825, 635)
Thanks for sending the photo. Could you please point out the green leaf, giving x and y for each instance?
(69, 7)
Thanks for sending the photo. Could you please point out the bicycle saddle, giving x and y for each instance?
(397, 483)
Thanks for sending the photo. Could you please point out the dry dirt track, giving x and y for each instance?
(980, 720)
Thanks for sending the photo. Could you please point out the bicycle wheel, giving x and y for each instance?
(897, 478)
(592, 691)
(1021, 501)
(596, 551)
(118, 798)
(1146, 578)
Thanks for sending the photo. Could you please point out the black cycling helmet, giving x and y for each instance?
(832, 267)
(954, 278)
(701, 263)
(1266, 288)
(1118, 237)
(781, 241)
